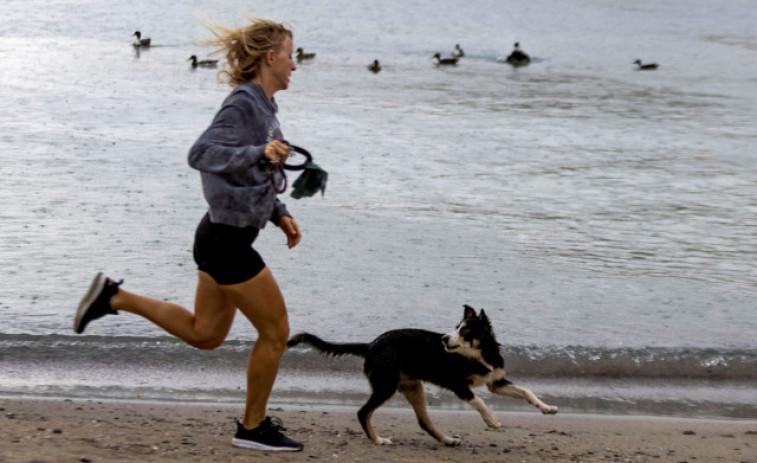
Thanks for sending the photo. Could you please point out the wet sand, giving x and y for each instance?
(58, 430)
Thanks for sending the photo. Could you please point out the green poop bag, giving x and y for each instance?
(312, 179)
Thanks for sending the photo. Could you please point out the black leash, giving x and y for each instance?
(303, 152)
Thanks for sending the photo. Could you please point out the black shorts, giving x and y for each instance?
(226, 253)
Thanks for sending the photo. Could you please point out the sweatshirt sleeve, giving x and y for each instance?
(220, 148)
(279, 211)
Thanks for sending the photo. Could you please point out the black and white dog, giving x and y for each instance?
(400, 360)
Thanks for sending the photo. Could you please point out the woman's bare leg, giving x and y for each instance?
(261, 301)
(206, 328)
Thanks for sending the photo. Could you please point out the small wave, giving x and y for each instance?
(521, 361)
(673, 382)
(641, 363)
(610, 363)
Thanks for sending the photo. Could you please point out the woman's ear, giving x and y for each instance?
(269, 56)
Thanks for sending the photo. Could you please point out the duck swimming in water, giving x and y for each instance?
(141, 43)
(301, 55)
(518, 58)
(444, 61)
(458, 52)
(645, 67)
(375, 67)
(206, 63)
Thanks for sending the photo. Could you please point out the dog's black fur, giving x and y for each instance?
(400, 360)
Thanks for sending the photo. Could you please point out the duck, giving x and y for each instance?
(517, 57)
(444, 61)
(141, 43)
(645, 67)
(375, 67)
(206, 63)
(301, 55)
(458, 52)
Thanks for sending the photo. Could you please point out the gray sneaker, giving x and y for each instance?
(96, 303)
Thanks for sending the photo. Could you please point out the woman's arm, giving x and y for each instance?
(220, 148)
(291, 230)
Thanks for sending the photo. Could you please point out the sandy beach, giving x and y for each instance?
(58, 430)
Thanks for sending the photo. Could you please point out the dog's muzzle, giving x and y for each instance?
(446, 342)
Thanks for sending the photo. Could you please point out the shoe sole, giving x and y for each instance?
(246, 444)
(94, 290)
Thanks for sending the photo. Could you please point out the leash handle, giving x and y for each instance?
(265, 162)
(267, 165)
(301, 151)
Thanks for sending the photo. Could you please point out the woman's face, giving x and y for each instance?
(282, 65)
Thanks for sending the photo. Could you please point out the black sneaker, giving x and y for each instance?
(267, 436)
(96, 303)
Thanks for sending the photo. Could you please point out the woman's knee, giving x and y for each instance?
(282, 334)
(207, 343)
(208, 338)
(276, 336)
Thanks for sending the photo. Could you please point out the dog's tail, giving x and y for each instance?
(330, 349)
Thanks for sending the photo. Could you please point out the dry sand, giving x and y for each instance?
(37, 431)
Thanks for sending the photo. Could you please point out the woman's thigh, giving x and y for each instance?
(261, 301)
(214, 309)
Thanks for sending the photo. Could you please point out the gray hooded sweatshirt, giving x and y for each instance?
(228, 154)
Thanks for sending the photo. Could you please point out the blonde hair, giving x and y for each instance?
(245, 47)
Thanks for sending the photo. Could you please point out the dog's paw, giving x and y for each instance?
(382, 441)
(549, 410)
(451, 441)
(493, 423)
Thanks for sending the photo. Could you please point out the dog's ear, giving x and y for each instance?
(485, 320)
(469, 313)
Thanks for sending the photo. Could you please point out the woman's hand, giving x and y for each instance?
(276, 151)
(291, 230)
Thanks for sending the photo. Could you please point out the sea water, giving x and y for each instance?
(603, 217)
